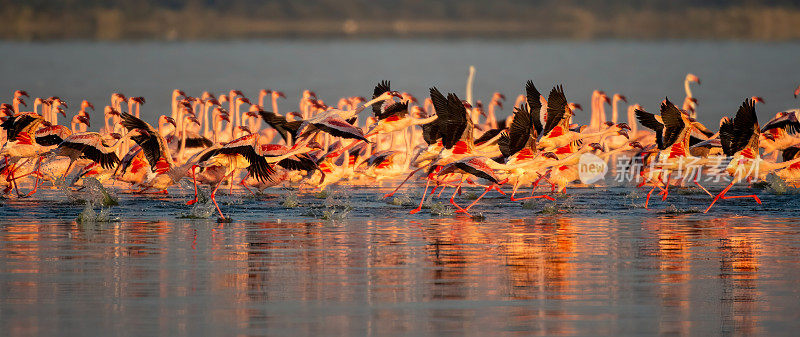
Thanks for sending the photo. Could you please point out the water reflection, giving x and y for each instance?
(549, 275)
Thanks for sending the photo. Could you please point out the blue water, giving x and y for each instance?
(645, 72)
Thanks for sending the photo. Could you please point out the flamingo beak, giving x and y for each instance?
(758, 99)
(578, 106)
(194, 120)
(281, 94)
(21, 101)
(623, 126)
(636, 145)
(596, 146)
(62, 113)
(769, 136)
(171, 121)
(84, 120)
(623, 133)
(623, 98)
(550, 155)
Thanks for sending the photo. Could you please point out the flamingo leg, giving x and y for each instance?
(404, 181)
(245, 185)
(36, 173)
(214, 193)
(696, 176)
(514, 189)
(414, 211)
(64, 176)
(194, 180)
(665, 191)
(466, 210)
(647, 201)
(14, 180)
(453, 202)
(722, 196)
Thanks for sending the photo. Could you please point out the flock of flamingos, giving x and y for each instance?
(447, 141)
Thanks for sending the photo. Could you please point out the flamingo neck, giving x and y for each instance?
(614, 110)
(632, 119)
(593, 119)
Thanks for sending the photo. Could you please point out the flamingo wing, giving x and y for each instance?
(127, 160)
(90, 147)
(151, 142)
(382, 87)
(673, 123)
(787, 120)
(520, 131)
(556, 107)
(286, 129)
(300, 162)
(489, 135)
(198, 142)
(478, 168)
(454, 123)
(338, 127)
(399, 109)
(791, 153)
(532, 97)
(258, 168)
(52, 135)
(745, 126)
(650, 121)
(16, 124)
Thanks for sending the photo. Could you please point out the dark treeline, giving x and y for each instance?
(199, 19)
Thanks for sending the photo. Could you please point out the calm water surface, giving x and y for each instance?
(644, 71)
(544, 268)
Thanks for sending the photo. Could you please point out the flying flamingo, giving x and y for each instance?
(92, 146)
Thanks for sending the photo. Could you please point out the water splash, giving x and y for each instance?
(401, 200)
(203, 208)
(88, 215)
(290, 200)
(438, 208)
(672, 209)
(776, 185)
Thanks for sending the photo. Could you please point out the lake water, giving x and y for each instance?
(593, 262)
(645, 72)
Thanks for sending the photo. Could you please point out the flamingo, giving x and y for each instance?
(690, 103)
(240, 153)
(92, 146)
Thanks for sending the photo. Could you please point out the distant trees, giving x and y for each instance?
(112, 19)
